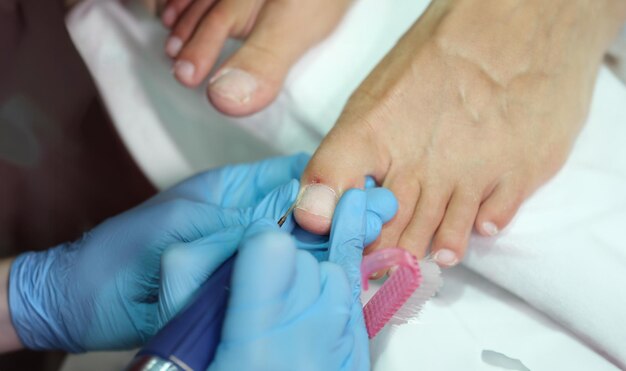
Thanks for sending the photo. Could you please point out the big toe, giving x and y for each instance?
(343, 160)
(252, 78)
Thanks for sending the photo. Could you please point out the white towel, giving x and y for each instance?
(565, 253)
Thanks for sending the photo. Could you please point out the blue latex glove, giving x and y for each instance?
(238, 185)
(189, 264)
(287, 310)
(104, 292)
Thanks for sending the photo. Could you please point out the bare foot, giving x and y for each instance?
(276, 32)
(475, 108)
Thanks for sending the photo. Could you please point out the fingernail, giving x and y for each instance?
(173, 46)
(234, 84)
(446, 257)
(169, 16)
(184, 70)
(318, 199)
(490, 229)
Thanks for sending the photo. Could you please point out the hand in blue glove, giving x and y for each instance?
(237, 185)
(287, 310)
(102, 292)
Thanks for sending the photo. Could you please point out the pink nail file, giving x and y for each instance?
(398, 300)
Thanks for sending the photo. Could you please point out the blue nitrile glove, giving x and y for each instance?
(188, 264)
(238, 185)
(192, 263)
(381, 208)
(287, 311)
(102, 291)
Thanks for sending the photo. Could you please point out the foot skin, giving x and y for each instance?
(475, 108)
(276, 32)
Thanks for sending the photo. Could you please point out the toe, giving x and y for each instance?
(499, 208)
(407, 190)
(341, 162)
(254, 75)
(453, 233)
(186, 22)
(173, 10)
(428, 214)
(199, 53)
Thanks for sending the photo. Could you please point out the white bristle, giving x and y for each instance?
(431, 283)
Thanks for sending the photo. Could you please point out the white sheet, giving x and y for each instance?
(566, 251)
(172, 132)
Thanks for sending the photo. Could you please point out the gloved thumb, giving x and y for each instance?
(276, 203)
(262, 277)
(347, 236)
(186, 266)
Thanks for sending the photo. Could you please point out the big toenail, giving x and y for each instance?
(169, 16)
(318, 199)
(173, 46)
(490, 229)
(446, 258)
(234, 84)
(184, 70)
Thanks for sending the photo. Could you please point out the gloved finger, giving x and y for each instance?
(186, 266)
(336, 288)
(240, 185)
(259, 227)
(381, 207)
(188, 220)
(373, 227)
(347, 236)
(271, 208)
(319, 245)
(369, 182)
(277, 202)
(271, 173)
(263, 275)
(382, 202)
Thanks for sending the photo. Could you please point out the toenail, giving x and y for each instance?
(446, 258)
(173, 46)
(318, 199)
(234, 84)
(490, 229)
(169, 16)
(184, 70)
(376, 275)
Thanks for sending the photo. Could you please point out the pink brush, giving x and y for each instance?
(403, 294)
